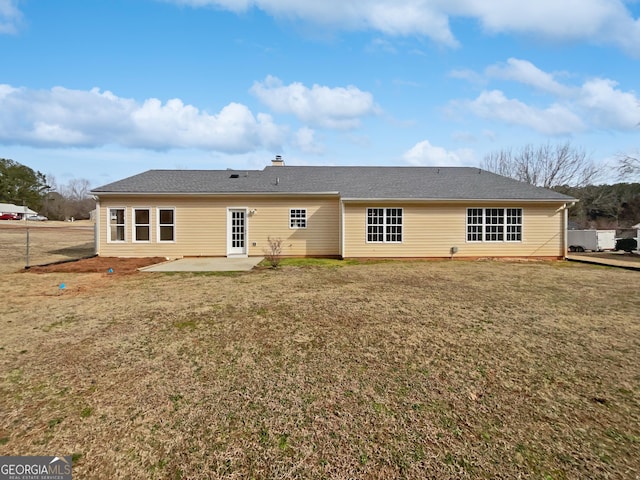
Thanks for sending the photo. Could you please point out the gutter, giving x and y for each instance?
(211, 194)
(461, 200)
(566, 208)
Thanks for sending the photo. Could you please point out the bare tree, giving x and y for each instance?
(628, 166)
(273, 253)
(71, 200)
(545, 166)
(76, 189)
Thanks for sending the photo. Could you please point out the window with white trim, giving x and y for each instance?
(116, 225)
(494, 224)
(166, 225)
(474, 224)
(141, 225)
(514, 225)
(298, 218)
(384, 225)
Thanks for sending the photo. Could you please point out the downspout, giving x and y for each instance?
(341, 228)
(566, 228)
(96, 229)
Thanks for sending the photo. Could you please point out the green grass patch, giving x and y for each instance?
(313, 262)
(185, 324)
(86, 412)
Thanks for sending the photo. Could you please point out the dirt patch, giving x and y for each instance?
(116, 266)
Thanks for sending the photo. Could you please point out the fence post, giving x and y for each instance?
(27, 266)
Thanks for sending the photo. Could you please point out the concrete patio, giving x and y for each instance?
(206, 264)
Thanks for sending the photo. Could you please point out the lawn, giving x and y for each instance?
(444, 369)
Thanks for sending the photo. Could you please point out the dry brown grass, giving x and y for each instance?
(48, 242)
(383, 370)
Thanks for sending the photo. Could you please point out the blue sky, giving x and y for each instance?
(104, 89)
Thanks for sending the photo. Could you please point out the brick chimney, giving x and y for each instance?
(277, 162)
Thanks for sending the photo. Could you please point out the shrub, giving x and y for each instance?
(273, 253)
(626, 244)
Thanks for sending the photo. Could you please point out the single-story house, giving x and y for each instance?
(19, 210)
(343, 212)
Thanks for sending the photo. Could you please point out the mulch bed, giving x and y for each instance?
(122, 266)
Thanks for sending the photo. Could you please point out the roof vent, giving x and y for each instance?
(277, 162)
(234, 175)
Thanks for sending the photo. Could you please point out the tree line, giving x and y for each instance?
(22, 185)
(569, 170)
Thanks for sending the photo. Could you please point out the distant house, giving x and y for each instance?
(345, 212)
(19, 210)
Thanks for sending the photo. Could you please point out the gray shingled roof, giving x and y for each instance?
(429, 183)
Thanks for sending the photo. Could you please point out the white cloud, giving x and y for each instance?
(382, 45)
(609, 107)
(336, 108)
(593, 21)
(527, 73)
(10, 16)
(468, 75)
(596, 104)
(555, 119)
(423, 153)
(63, 117)
(305, 140)
(392, 17)
(597, 21)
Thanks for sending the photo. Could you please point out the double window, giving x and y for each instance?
(166, 225)
(494, 224)
(141, 225)
(298, 218)
(384, 225)
(116, 225)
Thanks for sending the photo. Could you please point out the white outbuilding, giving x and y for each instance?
(20, 210)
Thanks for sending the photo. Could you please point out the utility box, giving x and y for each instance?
(593, 240)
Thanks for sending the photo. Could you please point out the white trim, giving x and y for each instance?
(504, 201)
(96, 231)
(291, 210)
(215, 194)
(245, 249)
(466, 225)
(384, 226)
(565, 233)
(124, 224)
(344, 199)
(134, 235)
(506, 225)
(342, 233)
(484, 225)
(159, 225)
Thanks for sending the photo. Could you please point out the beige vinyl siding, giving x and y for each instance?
(432, 229)
(201, 225)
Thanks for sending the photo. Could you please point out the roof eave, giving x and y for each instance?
(459, 200)
(211, 194)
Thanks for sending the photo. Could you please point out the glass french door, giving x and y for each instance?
(237, 232)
